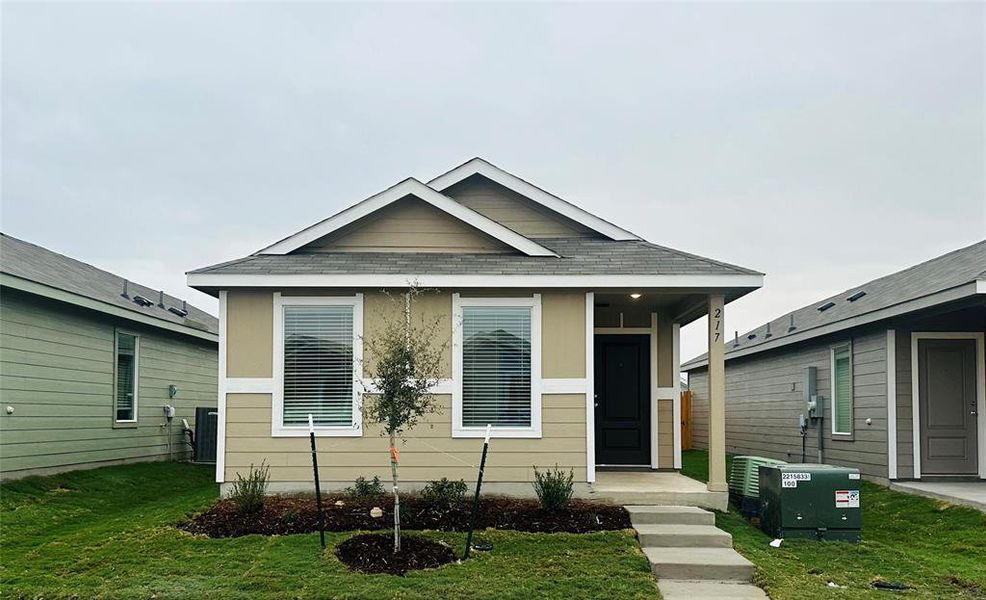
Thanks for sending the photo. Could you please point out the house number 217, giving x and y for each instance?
(717, 324)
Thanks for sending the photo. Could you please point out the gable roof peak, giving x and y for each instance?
(481, 166)
(408, 187)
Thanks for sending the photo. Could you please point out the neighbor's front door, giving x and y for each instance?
(622, 380)
(947, 393)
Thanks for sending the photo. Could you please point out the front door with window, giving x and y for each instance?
(947, 394)
(622, 391)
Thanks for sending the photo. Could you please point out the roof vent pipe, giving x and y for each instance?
(160, 298)
(767, 334)
(792, 326)
(736, 341)
(125, 294)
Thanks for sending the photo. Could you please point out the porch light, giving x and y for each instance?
(635, 296)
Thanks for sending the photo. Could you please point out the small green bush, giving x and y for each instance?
(365, 488)
(444, 492)
(249, 492)
(553, 487)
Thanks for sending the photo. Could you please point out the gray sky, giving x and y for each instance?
(824, 144)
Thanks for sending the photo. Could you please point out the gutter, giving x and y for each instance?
(45, 291)
(944, 296)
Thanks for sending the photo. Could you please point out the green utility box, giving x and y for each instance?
(744, 487)
(810, 501)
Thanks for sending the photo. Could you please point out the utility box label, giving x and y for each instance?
(847, 498)
(854, 476)
(790, 480)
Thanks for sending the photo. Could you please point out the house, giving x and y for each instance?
(89, 360)
(897, 366)
(564, 331)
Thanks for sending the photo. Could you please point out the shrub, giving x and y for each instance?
(553, 487)
(248, 492)
(444, 492)
(365, 488)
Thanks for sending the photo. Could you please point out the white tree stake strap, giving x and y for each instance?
(489, 428)
(311, 423)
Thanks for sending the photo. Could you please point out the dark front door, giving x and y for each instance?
(947, 394)
(622, 399)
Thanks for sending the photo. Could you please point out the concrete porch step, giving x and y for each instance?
(671, 515)
(682, 536)
(672, 589)
(715, 564)
(703, 499)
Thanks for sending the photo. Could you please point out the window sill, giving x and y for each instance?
(303, 431)
(125, 424)
(503, 433)
(843, 437)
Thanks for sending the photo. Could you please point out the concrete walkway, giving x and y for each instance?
(967, 493)
(655, 488)
(691, 557)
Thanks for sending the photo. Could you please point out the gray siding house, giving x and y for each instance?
(898, 369)
(87, 365)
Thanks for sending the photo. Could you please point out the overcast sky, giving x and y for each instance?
(823, 144)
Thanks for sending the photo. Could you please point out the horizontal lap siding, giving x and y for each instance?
(56, 371)
(764, 397)
(429, 451)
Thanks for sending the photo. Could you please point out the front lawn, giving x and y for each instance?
(108, 533)
(937, 549)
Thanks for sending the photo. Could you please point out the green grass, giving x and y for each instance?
(109, 533)
(938, 549)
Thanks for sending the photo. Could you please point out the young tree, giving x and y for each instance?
(406, 356)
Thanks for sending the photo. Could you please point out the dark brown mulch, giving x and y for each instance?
(283, 515)
(374, 553)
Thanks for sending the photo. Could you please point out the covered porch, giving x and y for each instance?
(634, 413)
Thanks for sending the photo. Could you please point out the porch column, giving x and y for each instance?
(717, 397)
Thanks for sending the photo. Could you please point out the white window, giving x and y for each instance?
(842, 390)
(317, 365)
(496, 366)
(125, 388)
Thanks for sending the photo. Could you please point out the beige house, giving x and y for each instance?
(563, 330)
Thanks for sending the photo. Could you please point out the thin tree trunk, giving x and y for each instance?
(397, 497)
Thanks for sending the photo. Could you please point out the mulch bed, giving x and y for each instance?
(374, 553)
(283, 515)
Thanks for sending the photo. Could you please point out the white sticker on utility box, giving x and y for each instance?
(790, 480)
(847, 498)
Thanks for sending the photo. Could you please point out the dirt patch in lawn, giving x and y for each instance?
(283, 515)
(374, 553)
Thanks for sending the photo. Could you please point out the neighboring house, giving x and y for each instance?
(546, 306)
(86, 362)
(906, 355)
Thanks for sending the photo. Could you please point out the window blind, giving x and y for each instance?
(496, 366)
(318, 365)
(126, 363)
(842, 388)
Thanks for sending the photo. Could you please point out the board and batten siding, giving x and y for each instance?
(410, 225)
(430, 452)
(765, 396)
(56, 372)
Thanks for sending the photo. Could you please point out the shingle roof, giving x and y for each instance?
(957, 268)
(577, 256)
(33, 263)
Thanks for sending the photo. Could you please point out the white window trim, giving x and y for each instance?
(534, 431)
(852, 391)
(278, 429)
(116, 376)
